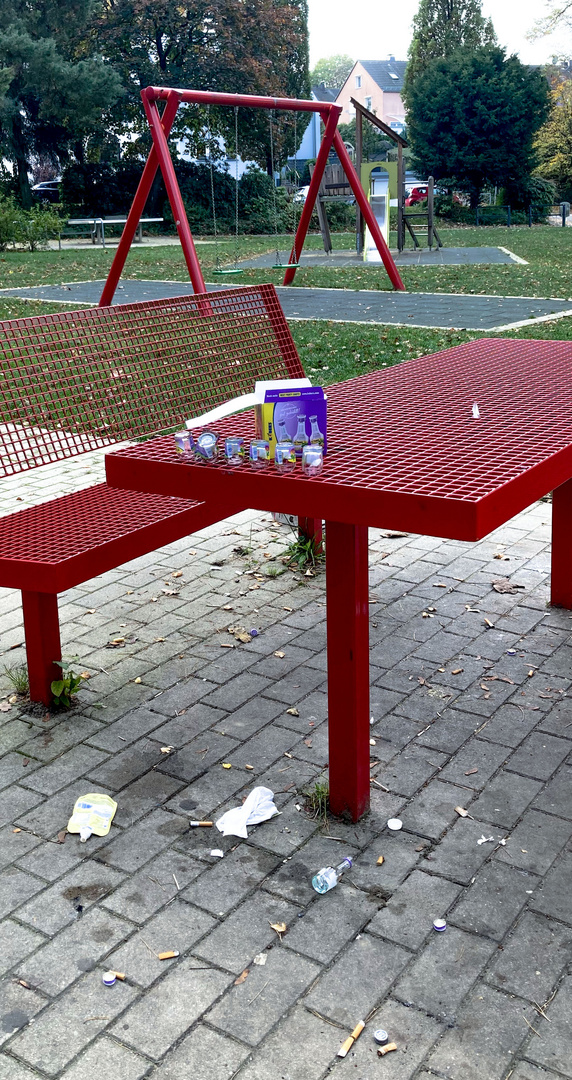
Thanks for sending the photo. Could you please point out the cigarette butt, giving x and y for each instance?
(381, 860)
(347, 1045)
(386, 1049)
(168, 955)
(196, 824)
(119, 975)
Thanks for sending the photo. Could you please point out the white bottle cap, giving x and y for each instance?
(395, 824)
(84, 833)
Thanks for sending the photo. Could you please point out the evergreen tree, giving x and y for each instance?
(473, 118)
(442, 26)
(54, 90)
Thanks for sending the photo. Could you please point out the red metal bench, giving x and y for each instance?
(78, 381)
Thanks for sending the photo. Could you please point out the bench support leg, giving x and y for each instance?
(42, 630)
(311, 528)
(561, 581)
(348, 668)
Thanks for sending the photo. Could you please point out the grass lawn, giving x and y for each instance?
(332, 351)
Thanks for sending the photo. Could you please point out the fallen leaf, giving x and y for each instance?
(244, 975)
(167, 749)
(158, 639)
(279, 927)
(192, 553)
(292, 712)
(90, 611)
(5, 706)
(22, 982)
(307, 742)
(280, 655)
(177, 573)
(61, 837)
(85, 675)
(170, 592)
(244, 637)
(471, 772)
(504, 586)
(420, 847)
(457, 671)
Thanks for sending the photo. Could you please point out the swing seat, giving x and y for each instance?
(230, 270)
(284, 266)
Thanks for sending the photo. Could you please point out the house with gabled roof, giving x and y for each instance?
(376, 84)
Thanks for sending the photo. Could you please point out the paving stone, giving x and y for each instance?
(14, 767)
(366, 971)
(51, 860)
(476, 754)
(554, 1047)
(433, 809)
(286, 1052)
(187, 725)
(64, 770)
(533, 958)
(122, 769)
(412, 768)
(77, 949)
(145, 794)
(195, 758)
(331, 921)
(16, 887)
(278, 984)
(198, 800)
(107, 1058)
(58, 905)
(535, 842)
(158, 1019)
(16, 942)
(12, 1070)
(246, 932)
(225, 884)
(414, 1033)
(143, 841)
(15, 801)
(151, 888)
(18, 1007)
(510, 725)
(12, 734)
(553, 895)
(445, 971)
(115, 737)
(203, 1053)
(492, 903)
(407, 917)
(66, 734)
(459, 855)
(14, 845)
(391, 734)
(449, 732)
(539, 756)
(61, 1032)
(179, 926)
(266, 747)
(401, 854)
(526, 1071)
(557, 721)
(503, 801)
(555, 797)
(236, 691)
(487, 1034)
(249, 718)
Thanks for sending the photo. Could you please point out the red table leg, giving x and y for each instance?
(311, 529)
(348, 667)
(561, 583)
(42, 632)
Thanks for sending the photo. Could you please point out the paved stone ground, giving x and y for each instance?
(463, 714)
(453, 311)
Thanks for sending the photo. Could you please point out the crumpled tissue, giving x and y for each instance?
(259, 806)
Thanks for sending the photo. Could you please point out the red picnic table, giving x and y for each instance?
(406, 453)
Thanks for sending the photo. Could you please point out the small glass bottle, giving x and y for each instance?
(316, 437)
(300, 439)
(312, 460)
(327, 878)
(285, 457)
(259, 453)
(282, 432)
(234, 450)
(206, 447)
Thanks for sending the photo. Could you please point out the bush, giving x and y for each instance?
(31, 227)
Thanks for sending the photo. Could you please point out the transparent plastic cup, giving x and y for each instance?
(184, 443)
(312, 460)
(234, 450)
(206, 447)
(285, 457)
(259, 453)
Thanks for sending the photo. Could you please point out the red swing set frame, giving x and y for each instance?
(160, 125)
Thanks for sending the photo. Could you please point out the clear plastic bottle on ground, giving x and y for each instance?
(328, 876)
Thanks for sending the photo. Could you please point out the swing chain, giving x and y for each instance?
(208, 150)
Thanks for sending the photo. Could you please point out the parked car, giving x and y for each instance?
(419, 194)
(48, 191)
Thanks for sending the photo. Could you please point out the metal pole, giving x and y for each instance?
(508, 217)
(561, 575)
(137, 207)
(330, 118)
(430, 189)
(359, 157)
(368, 214)
(400, 199)
(174, 194)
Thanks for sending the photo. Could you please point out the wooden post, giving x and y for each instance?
(400, 199)
(430, 186)
(358, 163)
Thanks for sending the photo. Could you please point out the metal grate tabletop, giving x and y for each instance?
(403, 448)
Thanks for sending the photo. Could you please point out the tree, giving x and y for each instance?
(375, 143)
(53, 91)
(554, 140)
(237, 46)
(332, 71)
(442, 26)
(559, 11)
(473, 118)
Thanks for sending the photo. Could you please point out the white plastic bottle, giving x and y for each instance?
(328, 876)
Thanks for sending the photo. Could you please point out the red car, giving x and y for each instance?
(419, 194)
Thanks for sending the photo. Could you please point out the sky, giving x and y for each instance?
(375, 29)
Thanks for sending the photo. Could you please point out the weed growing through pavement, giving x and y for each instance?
(17, 675)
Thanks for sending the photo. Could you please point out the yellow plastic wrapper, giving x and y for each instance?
(92, 813)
